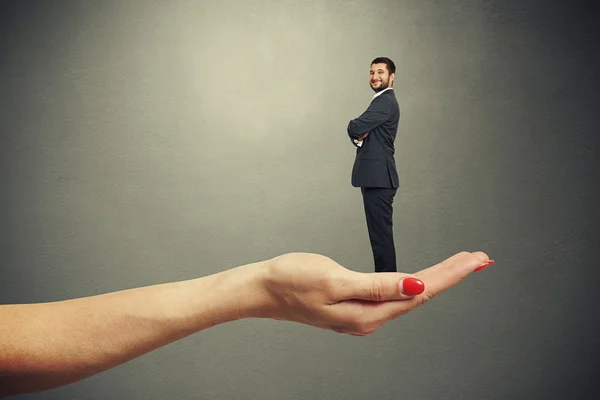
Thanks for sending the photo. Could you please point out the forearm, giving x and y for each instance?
(356, 129)
(377, 114)
(359, 127)
(51, 344)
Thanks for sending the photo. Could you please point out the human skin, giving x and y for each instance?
(46, 345)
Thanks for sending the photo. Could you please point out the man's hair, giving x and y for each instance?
(391, 67)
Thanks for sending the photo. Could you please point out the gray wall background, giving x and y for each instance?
(144, 142)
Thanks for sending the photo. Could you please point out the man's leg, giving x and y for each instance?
(378, 211)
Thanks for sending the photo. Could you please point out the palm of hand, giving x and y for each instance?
(315, 290)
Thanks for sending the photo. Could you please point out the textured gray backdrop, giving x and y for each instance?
(145, 142)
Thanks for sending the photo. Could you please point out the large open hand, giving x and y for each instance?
(315, 290)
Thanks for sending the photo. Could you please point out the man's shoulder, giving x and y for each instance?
(389, 94)
(386, 97)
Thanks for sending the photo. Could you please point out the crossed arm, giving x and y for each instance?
(377, 113)
(47, 345)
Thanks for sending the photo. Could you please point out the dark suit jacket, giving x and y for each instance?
(374, 165)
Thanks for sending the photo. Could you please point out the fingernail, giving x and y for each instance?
(412, 286)
(484, 265)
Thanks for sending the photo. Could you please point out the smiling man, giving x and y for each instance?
(374, 171)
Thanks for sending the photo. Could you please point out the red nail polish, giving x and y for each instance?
(484, 265)
(412, 286)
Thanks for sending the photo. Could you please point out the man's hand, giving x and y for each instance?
(363, 137)
(359, 141)
(315, 290)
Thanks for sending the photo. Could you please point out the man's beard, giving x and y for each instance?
(383, 86)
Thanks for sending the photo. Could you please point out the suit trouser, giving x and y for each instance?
(378, 210)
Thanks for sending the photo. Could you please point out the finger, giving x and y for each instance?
(364, 316)
(450, 261)
(484, 265)
(381, 308)
(450, 272)
(436, 279)
(384, 286)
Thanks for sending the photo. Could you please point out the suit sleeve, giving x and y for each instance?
(379, 111)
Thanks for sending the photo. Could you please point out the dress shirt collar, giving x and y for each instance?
(384, 90)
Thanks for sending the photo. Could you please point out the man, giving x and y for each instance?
(374, 171)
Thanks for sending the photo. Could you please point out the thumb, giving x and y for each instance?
(382, 286)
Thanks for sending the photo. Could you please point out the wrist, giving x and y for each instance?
(242, 292)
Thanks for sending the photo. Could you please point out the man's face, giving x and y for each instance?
(380, 78)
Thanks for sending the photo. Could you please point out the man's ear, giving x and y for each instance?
(392, 76)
